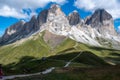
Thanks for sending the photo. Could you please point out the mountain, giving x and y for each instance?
(44, 50)
(51, 39)
(56, 21)
(12, 32)
(74, 18)
(94, 30)
(30, 27)
(102, 21)
(97, 29)
(42, 17)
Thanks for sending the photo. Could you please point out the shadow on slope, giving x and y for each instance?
(86, 58)
(100, 49)
(75, 73)
(28, 65)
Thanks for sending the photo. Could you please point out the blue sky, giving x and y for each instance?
(11, 11)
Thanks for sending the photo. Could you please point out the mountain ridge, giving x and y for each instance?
(96, 27)
(53, 39)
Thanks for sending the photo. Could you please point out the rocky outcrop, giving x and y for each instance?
(12, 32)
(30, 27)
(19, 30)
(74, 18)
(98, 17)
(42, 17)
(102, 21)
(56, 20)
(90, 31)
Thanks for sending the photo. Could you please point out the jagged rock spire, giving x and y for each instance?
(12, 31)
(99, 16)
(56, 20)
(30, 26)
(102, 21)
(74, 18)
(54, 7)
(42, 17)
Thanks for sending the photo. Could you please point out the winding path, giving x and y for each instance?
(49, 70)
(25, 75)
(68, 63)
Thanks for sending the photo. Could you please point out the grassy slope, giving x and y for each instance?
(86, 57)
(28, 65)
(34, 48)
(106, 73)
(32, 65)
(13, 57)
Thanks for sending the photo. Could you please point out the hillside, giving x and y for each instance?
(28, 55)
(97, 30)
(35, 46)
(99, 73)
(68, 44)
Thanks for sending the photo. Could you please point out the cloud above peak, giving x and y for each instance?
(6, 11)
(15, 8)
(112, 6)
(18, 8)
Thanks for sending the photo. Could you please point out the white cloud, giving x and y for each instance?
(13, 8)
(11, 12)
(112, 6)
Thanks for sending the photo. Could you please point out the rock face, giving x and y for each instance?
(12, 32)
(102, 21)
(20, 30)
(30, 26)
(56, 20)
(99, 16)
(93, 30)
(42, 17)
(74, 18)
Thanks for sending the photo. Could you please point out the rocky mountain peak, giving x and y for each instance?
(12, 31)
(56, 20)
(99, 16)
(55, 13)
(102, 21)
(74, 18)
(42, 17)
(31, 26)
(14, 28)
(103, 14)
(55, 7)
(33, 18)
